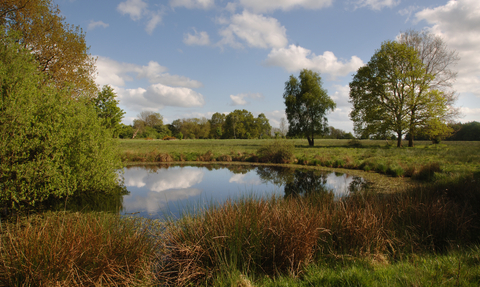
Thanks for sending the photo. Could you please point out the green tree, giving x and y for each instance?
(307, 104)
(391, 94)
(437, 59)
(239, 124)
(216, 125)
(262, 126)
(60, 49)
(50, 146)
(108, 111)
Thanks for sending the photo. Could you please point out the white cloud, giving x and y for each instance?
(157, 97)
(138, 9)
(134, 8)
(469, 111)
(166, 89)
(341, 96)
(240, 99)
(191, 4)
(201, 39)
(94, 24)
(295, 58)
(111, 72)
(271, 5)
(275, 117)
(245, 179)
(376, 4)
(458, 24)
(256, 30)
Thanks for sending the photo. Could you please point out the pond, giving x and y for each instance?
(155, 191)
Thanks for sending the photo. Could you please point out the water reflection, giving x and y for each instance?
(157, 190)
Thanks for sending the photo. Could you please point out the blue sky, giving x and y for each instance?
(192, 58)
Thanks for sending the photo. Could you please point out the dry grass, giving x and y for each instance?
(282, 236)
(75, 249)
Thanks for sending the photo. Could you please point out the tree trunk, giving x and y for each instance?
(399, 139)
(310, 141)
(410, 140)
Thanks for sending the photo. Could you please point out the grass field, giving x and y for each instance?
(446, 159)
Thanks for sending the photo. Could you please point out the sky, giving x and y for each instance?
(192, 58)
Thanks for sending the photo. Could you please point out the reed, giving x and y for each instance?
(278, 236)
(75, 249)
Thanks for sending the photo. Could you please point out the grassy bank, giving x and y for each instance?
(425, 161)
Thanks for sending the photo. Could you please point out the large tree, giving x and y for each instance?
(392, 94)
(307, 104)
(438, 61)
(60, 49)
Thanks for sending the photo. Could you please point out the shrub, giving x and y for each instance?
(51, 146)
(277, 151)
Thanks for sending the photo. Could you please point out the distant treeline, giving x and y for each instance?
(461, 132)
(239, 124)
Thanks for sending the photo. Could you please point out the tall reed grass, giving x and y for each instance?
(284, 235)
(74, 249)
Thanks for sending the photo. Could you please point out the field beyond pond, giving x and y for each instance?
(425, 161)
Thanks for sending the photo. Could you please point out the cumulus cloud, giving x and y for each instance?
(191, 4)
(275, 117)
(111, 72)
(201, 39)
(94, 24)
(241, 99)
(457, 23)
(158, 96)
(294, 58)
(376, 4)
(165, 89)
(134, 8)
(138, 9)
(255, 30)
(271, 5)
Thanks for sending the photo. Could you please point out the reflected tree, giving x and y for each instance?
(277, 175)
(308, 182)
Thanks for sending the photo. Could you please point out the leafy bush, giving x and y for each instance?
(51, 145)
(277, 151)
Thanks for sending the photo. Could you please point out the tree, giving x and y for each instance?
(150, 118)
(108, 111)
(391, 94)
(437, 60)
(283, 129)
(216, 125)
(50, 146)
(307, 104)
(60, 49)
(239, 124)
(262, 127)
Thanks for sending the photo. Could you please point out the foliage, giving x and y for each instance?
(306, 105)
(108, 111)
(59, 48)
(465, 131)
(392, 94)
(216, 125)
(50, 144)
(278, 151)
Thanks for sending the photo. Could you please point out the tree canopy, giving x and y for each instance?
(307, 104)
(50, 145)
(60, 49)
(392, 93)
(108, 110)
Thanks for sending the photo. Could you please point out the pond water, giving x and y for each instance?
(169, 190)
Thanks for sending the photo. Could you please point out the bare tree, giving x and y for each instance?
(283, 127)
